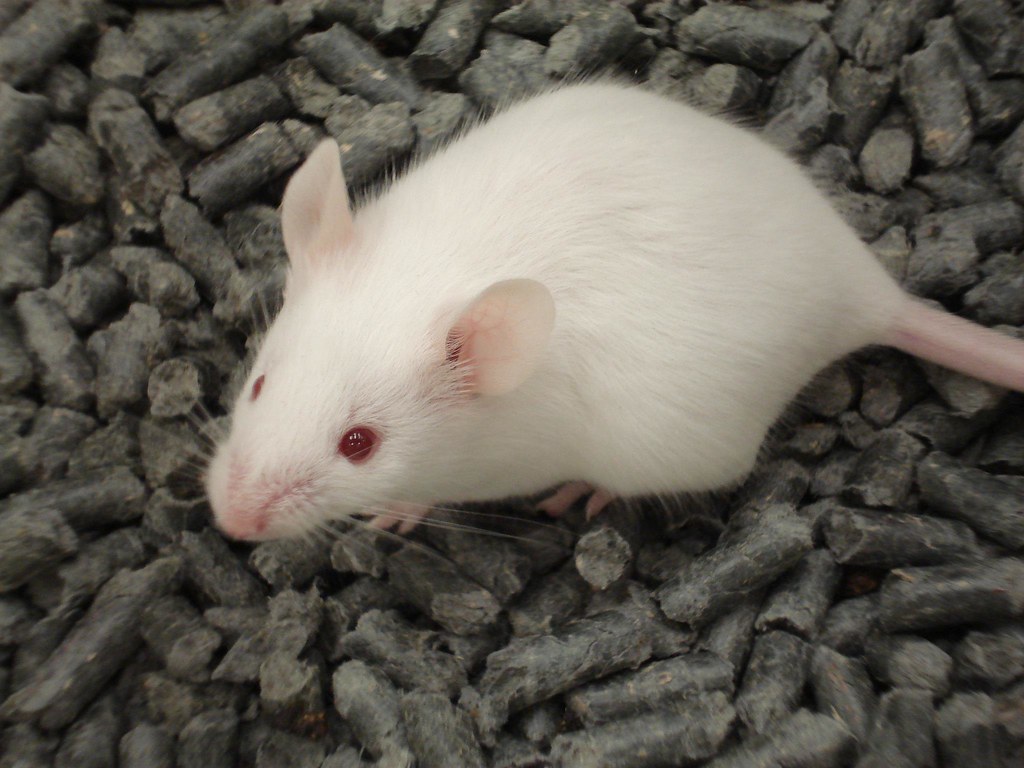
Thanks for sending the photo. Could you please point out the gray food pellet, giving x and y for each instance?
(367, 701)
(593, 39)
(120, 61)
(368, 144)
(92, 740)
(213, 120)
(886, 158)
(67, 165)
(41, 35)
(860, 96)
(63, 367)
(759, 39)
(450, 38)
(147, 746)
(25, 228)
(209, 740)
(910, 662)
(438, 733)
(21, 116)
(892, 29)
(31, 542)
(508, 68)
(843, 689)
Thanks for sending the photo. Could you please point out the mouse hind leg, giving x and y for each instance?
(561, 500)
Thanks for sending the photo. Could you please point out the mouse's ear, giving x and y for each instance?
(315, 215)
(501, 335)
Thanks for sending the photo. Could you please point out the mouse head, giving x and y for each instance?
(351, 405)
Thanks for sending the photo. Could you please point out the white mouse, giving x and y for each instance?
(598, 285)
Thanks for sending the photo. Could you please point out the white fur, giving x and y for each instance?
(699, 281)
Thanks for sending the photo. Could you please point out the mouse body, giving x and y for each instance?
(598, 284)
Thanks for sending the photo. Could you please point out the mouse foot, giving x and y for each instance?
(561, 500)
(405, 516)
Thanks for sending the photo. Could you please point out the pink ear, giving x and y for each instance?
(502, 334)
(315, 216)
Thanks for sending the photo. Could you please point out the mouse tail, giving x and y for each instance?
(964, 346)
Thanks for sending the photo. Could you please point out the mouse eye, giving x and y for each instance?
(357, 444)
(257, 387)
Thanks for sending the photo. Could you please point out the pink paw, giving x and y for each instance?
(405, 516)
(561, 500)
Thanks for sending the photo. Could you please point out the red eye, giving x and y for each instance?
(357, 444)
(257, 387)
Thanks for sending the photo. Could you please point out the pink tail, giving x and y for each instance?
(959, 344)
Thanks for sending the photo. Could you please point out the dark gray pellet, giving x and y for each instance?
(176, 387)
(146, 171)
(886, 158)
(358, 551)
(368, 702)
(848, 22)
(1003, 449)
(73, 244)
(356, 67)
(31, 541)
(64, 370)
(902, 731)
(89, 294)
(252, 36)
(730, 637)
(549, 602)
(988, 503)
(91, 741)
(848, 624)
(21, 116)
(75, 582)
(818, 60)
(763, 40)
(905, 661)
(968, 733)
(55, 434)
(311, 94)
(654, 687)
(595, 38)
(67, 165)
(507, 69)
(407, 655)
(99, 645)
(16, 371)
(171, 452)
(892, 29)
(25, 746)
(528, 670)
(125, 352)
(174, 703)
(861, 97)
(994, 33)
(342, 610)
(498, 564)
(868, 214)
(288, 563)
(801, 127)
(830, 392)
(97, 499)
(1009, 159)
(951, 595)
(843, 689)
(254, 234)
(943, 261)
(435, 586)
(804, 739)
(774, 680)
(684, 733)
(198, 245)
(888, 540)
(209, 740)
(994, 225)
(290, 690)
(931, 87)
(156, 279)
(450, 38)
(67, 88)
(751, 559)
(289, 629)
(372, 140)
(942, 430)
(538, 20)
(800, 600)
(403, 15)
(213, 120)
(146, 746)
(212, 569)
(998, 298)
(724, 88)
(25, 228)
(185, 644)
(782, 482)
(889, 389)
(605, 553)
(230, 177)
(439, 734)
(42, 34)
(990, 659)
(120, 62)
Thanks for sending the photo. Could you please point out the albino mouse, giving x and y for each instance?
(597, 285)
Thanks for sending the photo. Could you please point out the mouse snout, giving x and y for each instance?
(257, 508)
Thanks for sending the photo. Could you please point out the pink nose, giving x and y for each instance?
(243, 524)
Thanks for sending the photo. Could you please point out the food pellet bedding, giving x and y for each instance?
(859, 602)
